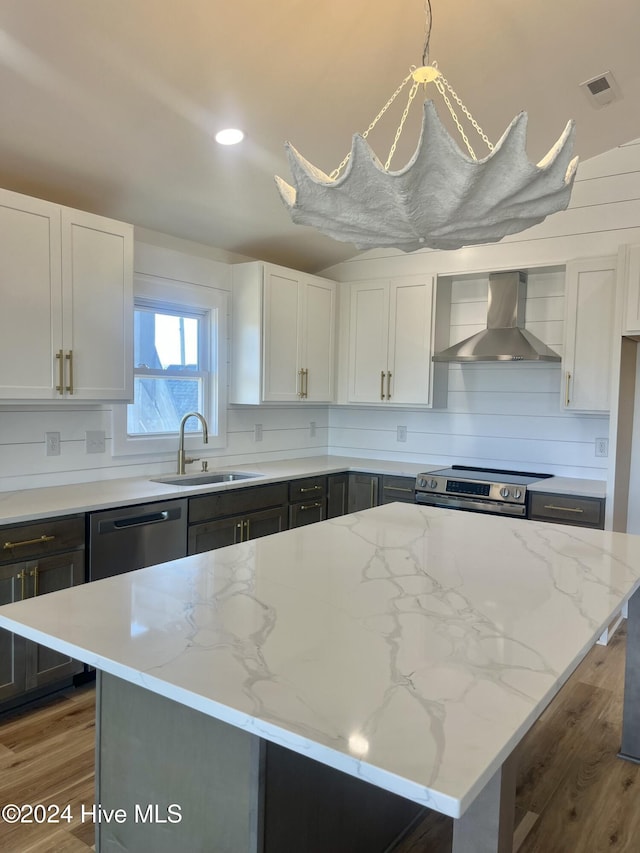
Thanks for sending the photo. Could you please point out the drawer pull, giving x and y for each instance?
(398, 489)
(310, 489)
(44, 538)
(304, 507)
(564, 508)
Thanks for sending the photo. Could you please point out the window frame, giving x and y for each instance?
(213, 305)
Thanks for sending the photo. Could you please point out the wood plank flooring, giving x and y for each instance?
(574, 795)
(47, 755)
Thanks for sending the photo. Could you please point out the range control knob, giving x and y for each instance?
(504, 492)
(433, 484)
(422, 484)
(517, 494)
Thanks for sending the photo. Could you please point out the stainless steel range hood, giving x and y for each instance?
(505, 338)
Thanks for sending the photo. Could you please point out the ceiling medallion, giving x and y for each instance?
(443, 198)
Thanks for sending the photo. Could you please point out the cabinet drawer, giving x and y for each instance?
(236, 502)
(583, 512)
(307, 512)
(398, 489)
(311, 488)
(25, 541)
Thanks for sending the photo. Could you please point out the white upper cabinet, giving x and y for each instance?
(631, 311)
(588, 334)
(283, 329)
(391, 342)
(97, 302)
(66, 280)
(391, 334)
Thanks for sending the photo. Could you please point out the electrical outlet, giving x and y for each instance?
(312, 429)
(257, 432)
(402, 433)
(95, 441)
(52, 443)
(602, 446)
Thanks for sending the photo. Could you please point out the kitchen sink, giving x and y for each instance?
(205, 478)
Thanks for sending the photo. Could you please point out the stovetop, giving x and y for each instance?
(488, 475)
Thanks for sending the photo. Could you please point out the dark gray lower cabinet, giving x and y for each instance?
(307, 501)
(337, 495)
(229, 517)
(395, 488)
(30, 566)
(210, 535)
(363, 491)
(566, 509)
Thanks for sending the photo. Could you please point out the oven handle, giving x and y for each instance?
(447, 502)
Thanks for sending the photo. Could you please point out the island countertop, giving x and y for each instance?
(408, 646)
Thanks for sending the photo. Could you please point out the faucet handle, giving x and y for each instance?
(188, 460)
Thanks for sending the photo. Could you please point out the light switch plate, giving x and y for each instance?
(402, 433)
(52, 443)
(95, 441)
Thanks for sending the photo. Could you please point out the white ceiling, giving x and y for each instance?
(111, 106)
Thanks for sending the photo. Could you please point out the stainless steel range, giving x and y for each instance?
(477, 489)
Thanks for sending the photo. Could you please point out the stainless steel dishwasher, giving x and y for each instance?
(121, 540)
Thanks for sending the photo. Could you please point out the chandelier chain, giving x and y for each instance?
(337, 171)
(464, 109)
(392, 150)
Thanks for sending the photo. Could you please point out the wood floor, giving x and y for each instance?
(574, 795)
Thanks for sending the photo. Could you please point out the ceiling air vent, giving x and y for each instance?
(601, 90)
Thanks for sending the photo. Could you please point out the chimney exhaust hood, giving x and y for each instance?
(505, 338)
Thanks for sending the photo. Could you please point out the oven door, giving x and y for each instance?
(471, 504)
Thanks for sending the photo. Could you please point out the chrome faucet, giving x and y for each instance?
(182, 459)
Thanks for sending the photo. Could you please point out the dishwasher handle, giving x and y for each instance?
(109, 525)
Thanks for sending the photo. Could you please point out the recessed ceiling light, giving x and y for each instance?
(229, 136)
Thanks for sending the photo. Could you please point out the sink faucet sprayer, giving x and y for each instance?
(182, 459)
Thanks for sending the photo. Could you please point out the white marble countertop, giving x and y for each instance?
(409, 646)
(33, 504)
(571, 486)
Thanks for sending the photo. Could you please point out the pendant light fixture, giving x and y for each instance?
(445, 197)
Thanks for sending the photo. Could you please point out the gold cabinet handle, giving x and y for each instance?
(306, 382)
(373, 492)
(44, 538)
(564, 508)
(21, 576)
(60, 360)
(397, 489)
(69, 357)
(240, 527)
(389, 385)
(382, 384)
(300, 391)
(315, 505)
(34, 574)
(246, 530)
(310, 489)
(566, 389)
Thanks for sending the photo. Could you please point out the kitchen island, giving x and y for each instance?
(406, 648)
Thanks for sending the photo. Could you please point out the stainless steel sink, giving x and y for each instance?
(205, 478)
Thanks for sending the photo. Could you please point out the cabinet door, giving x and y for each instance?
(363, 491)
(97, 275)
(337, 488)
(409, 359)
(369, 330)
(317, 339)
(215, 534)
(12, 647)
(265, 522)
(281, 342)
(588, 333)
(48, 575)
(30, 319)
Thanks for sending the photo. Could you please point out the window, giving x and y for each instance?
(179, 359)
(170, 367)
